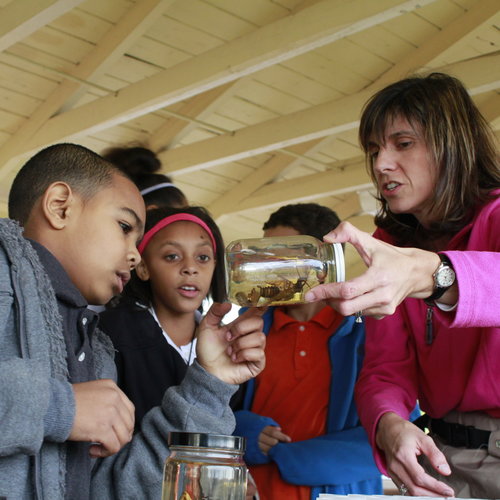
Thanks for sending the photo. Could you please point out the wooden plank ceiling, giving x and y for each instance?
(250, 104)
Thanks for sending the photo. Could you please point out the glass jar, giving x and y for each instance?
(205, 467)
(280, 270)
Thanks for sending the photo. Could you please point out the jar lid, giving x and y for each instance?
(339, 262)
(201, 440)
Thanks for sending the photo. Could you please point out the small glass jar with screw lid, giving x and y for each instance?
(205, 467)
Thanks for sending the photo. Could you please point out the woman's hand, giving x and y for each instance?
(393, 274)
(270, 436)
(403, 442)
(235, 352)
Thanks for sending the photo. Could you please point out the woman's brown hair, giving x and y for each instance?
(461, 144)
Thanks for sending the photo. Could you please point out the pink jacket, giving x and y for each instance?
(461, 368)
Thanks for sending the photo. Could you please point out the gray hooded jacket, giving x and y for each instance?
(37, 403)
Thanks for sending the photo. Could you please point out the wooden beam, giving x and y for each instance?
(19, 19)
(313, 27)
(112, 46)
(318, 121)
(330, 183)
(422, 57)
(199, 106)
(261, 176)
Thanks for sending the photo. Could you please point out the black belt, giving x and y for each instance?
(455, 434)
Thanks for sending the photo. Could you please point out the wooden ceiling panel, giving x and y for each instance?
(157, 53)
(110, 10)
(183, 37)
(24, 82)
(209, 18)
(257, 12)
(81, 24)
(58, 44)
(291, 82)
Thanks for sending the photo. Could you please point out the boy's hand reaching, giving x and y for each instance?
(270, 436)
(103, 415)
(234, 353)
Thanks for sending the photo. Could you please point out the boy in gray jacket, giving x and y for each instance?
(66, 428)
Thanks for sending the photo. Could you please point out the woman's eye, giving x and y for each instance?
(204, 258)
(125, 226)
(405, 144)
(171, 257)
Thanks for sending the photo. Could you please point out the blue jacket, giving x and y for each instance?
(340, 461)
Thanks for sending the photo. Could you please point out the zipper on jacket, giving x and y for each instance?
(428, 325)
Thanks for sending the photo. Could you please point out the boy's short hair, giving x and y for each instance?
(306, 218)
(83, 170)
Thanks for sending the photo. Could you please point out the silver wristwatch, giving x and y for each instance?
(444, 277)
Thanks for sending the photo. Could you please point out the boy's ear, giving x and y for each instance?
(142, 271)
(57, 202)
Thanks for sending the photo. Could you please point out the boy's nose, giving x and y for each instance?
(134, 257)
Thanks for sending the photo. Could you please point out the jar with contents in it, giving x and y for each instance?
(280, 270)
(205, 467)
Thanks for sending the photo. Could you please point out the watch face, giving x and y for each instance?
(445, 277)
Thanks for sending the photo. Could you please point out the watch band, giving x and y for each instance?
(438, 291)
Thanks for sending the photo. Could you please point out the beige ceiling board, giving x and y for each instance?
(19, 19)
(310, 28)
(481, 74)
(448, 37)
(490, 109)
(108, 50)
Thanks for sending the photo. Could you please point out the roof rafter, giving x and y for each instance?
(18, 20)
(329, 183)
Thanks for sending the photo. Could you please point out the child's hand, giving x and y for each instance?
(271, 436)
(233, 353)
(103, 415)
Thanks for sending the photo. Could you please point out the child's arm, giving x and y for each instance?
(231, 353)
(340, 457)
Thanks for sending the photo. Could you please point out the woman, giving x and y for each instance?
(434, 162)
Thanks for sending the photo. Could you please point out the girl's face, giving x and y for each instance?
(404, 169)
(179, 261)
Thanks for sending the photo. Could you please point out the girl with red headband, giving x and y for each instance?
(153, 325)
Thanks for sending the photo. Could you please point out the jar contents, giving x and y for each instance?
(205, 467)
(280, 270)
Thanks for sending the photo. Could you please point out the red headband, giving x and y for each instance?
(169, 220)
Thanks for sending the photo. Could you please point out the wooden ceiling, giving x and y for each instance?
(250, 104)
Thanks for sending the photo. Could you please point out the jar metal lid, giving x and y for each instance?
(201, 440)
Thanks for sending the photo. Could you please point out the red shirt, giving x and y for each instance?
(294, 390)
